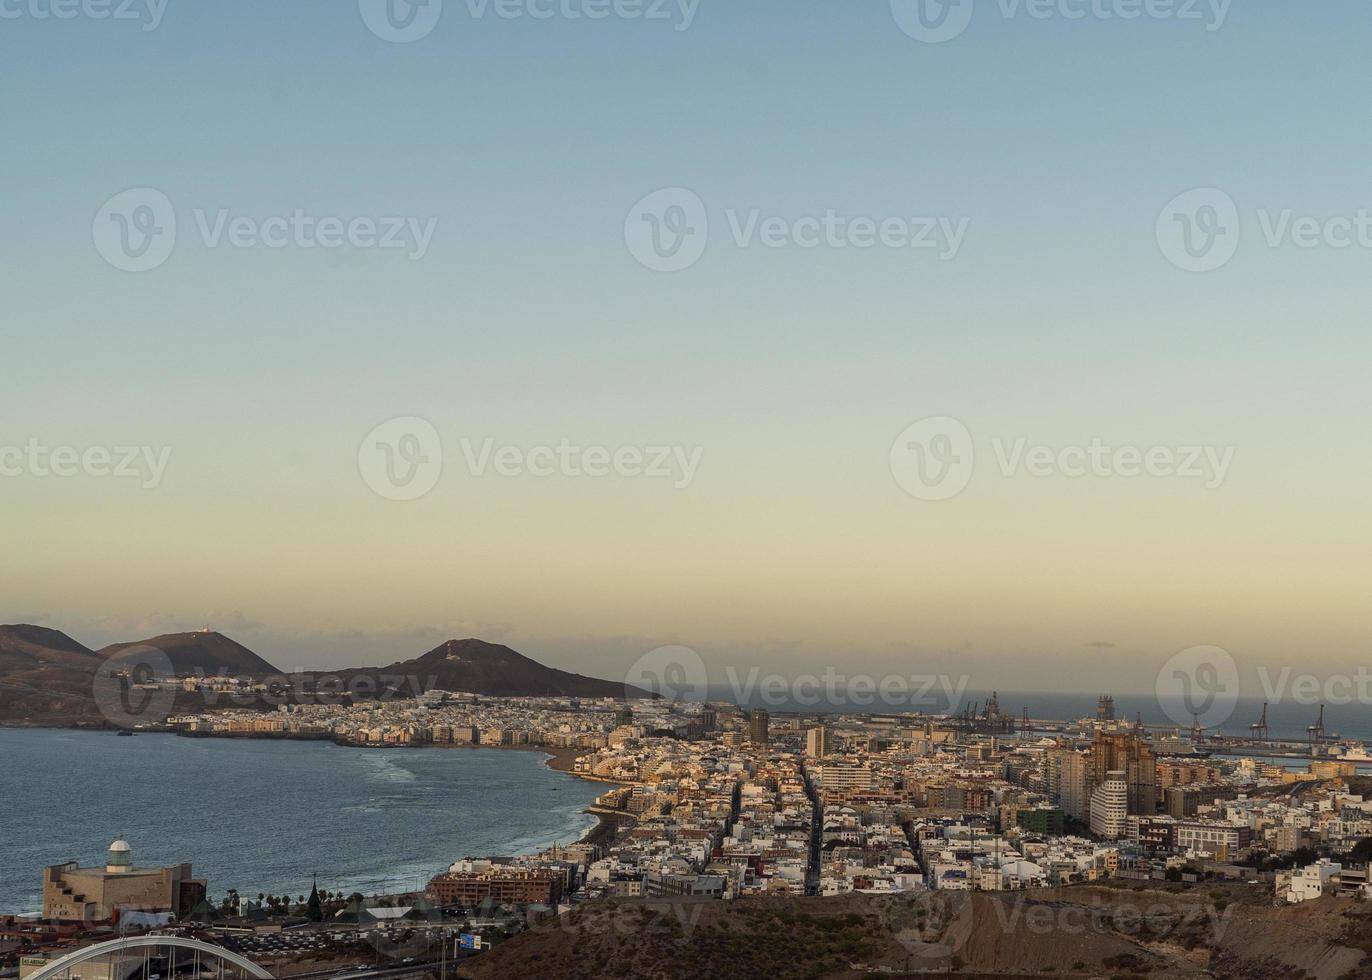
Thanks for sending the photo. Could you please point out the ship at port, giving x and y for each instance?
(1355, 752)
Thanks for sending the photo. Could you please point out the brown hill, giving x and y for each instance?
(45, 678)
(23, 646)
(206, 653)
(1085, 932)
(478, 667)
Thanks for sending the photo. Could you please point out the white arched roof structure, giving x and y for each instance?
(59, 966)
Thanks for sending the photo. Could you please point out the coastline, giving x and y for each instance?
(557, 758)
(545, 819)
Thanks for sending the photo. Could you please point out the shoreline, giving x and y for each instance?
(557, 758)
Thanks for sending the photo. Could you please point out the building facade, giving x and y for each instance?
(757, 726)
(71, 892)
(1110, 806)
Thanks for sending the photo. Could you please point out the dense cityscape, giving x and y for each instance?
(716, 803)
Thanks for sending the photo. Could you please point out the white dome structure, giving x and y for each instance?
(120, 858)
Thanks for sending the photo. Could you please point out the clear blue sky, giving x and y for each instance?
(528, 320)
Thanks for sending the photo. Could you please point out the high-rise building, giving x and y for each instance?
(1069, 779)
(1127, 753)
(1110, 806)
(817, 742)
(1105, 708)
(757, 726)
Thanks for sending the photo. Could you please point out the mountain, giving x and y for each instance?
(46, 677)
(202, 653)
(23, 647)
(478, 667)
(49, 679)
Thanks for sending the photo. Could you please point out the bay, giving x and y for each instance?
(265, 815)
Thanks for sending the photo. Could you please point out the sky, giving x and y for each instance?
(1045, 233)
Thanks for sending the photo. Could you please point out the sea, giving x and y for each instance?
(1287, 719)
(267, 815)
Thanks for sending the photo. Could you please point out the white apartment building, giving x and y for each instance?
(1110, 806)
(1211, 837)
(842, 776)
(1309, 882)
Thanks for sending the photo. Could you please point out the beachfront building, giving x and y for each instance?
(71, 892)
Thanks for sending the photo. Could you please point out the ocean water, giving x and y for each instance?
(264, 816)
(1285, 719)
